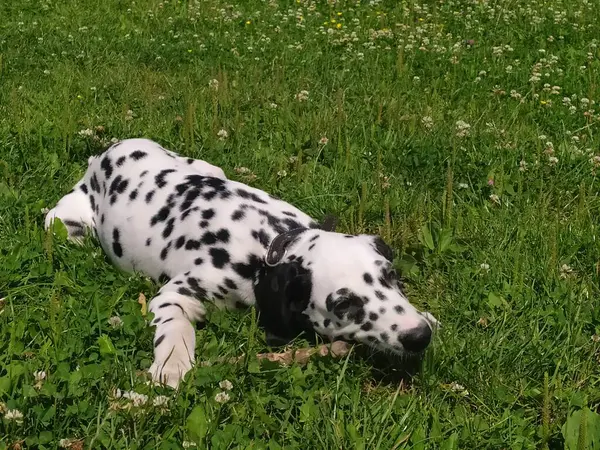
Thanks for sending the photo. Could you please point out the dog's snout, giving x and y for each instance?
(416, 339)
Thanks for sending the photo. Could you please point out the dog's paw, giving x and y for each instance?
(170, 372)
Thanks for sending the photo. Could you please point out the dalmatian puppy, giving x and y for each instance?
(208, 238)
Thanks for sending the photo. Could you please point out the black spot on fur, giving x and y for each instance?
(209, 238)
(116, 245)
(92, 202)
(120, 161)
(326, 322)
(165, 251)
(198, 261)
(168, 228)
(133, 194)
(223, 235)
(107, 167)
(208, 214)
(373, 316)
(384, 337)
(311, 246)
(159, 340)
(368, 278)
(199, 292)
(138, 154)
(394, 327)
(144, 173)
(94, 183)
(192, 244)
(230, 283)
(161, 215)
(203, 224)
(238, 215)
(262, 237)
(179, 242)
(399, 309)
(84, 188)
(380, 295)
(149, 196)
(289, 213)
(314, 238)
(249, 196)
(159, 179)
(219, 256)
(247, 270)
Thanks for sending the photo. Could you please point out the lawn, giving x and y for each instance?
(462, 131)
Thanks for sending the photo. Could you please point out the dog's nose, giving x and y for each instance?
(417, 339)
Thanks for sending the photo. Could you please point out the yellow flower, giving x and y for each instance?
(332, 20)
(339, 14)
(543, 102)
(421, 19)
(338, 26)
(248, 22)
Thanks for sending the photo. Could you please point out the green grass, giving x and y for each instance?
(519, 353)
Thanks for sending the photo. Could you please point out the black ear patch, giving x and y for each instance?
(278, 246)
(383, 249)
(282, 295)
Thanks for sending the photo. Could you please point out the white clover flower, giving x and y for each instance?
(323, 141)
(552, 160)
(463, 185)
(463, 129)
(484, 266)
(302, 96)
(115, 322)
(161, 400)
(214, 84)
(222, 134)
(226, 385)
(565, 271)
(188, 444)
(14, 415)
(129, 115)
(273, 105)
(427, 122)
(495, 199)
(222, 397)
(39, 375)
(137, 399)
(523, 165)
(282, 174)
(595, 160)
(86, 133)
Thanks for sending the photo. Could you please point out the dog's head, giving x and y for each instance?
(340, 287)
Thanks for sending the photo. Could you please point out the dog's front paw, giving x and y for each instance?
(170, 372)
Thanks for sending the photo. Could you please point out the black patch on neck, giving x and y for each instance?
(282, 295)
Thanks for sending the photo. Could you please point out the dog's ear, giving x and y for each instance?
(278, 246)
(383, 249)
(297, 292)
